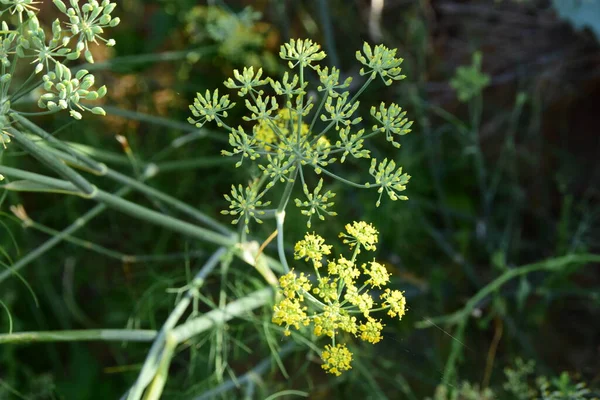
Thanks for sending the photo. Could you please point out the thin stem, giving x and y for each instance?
(357, 185)
(318, 112)
(19, 90)
(461, 317)
(253, 374)
(145, 59)
(280, 218)
(126, 258)
(33, 114)
(362, 89)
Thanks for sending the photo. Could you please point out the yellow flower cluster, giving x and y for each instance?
(340, 294)
(274, 132)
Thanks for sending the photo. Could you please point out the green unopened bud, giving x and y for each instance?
(75, 114)
(5, 108)
(5, 78)
(81, 74)
(102, 91)
(73, 56)
(60, 5)
(109, 8)
(98, 111)
(114, 22)
(88, 57)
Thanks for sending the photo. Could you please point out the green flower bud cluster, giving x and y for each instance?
(288, 136)
(63, 91)
(22, 38)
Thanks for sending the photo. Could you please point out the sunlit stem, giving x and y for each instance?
(107, 335)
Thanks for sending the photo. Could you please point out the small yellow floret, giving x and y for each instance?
(336, 359)
(291, 313)
(379, 276)
(313, 248)
(371, 331)
(362, 233)
(395, 300)
(363, 301)
(327, 289)
(345, 269)
(291, 284)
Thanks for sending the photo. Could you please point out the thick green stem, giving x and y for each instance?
(216, 317)
(105, 335)
(156, 354)
(134, 210)
(141, 187)
(47, 159)
(97, 167)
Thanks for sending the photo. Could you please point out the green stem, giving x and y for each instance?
(100, 169)
(45, 158)
(145, 59)
(339, 178)
(125, 258)
(134, 210)
(141, 187)
(280, 218)
(156, 352)
(32, 114)
(162, 374)
(216, 317)
(105, 335)
(362, 89)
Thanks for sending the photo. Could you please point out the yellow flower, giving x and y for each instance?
(371, 331)
(332, 319)
(327, 290)
(379, 276)
(327, 322)
(345, 268)
(313, 248)
(291, 313)
(395, 300)
(363, 301)
(336, 359)
(362, 233)
(291, 284)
